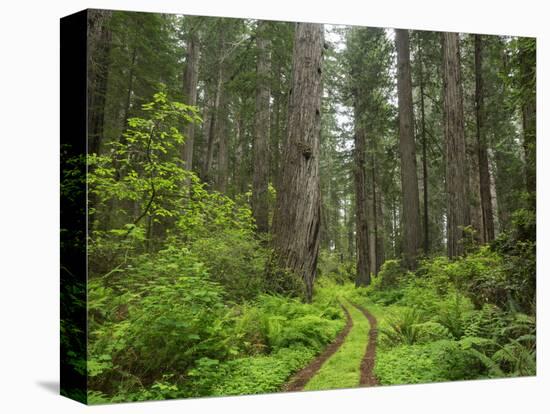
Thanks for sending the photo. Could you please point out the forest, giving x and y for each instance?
(277, 206)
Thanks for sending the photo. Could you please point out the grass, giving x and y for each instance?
(342, 369)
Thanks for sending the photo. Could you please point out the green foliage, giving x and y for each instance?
(402, 328)
(390, 273)
(157, 316)
(331, 265)
(159, 329)
(519, 247)
(236, 261)
(442, 360)
(249, 375)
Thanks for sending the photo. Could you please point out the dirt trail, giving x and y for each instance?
(301, 378)
(367, 364)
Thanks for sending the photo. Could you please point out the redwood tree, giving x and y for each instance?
(407, 147)
(296, 222)
(488, 229)
(260, 182)
(455, 174)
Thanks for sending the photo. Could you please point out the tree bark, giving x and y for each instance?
(424, 157)
(456, 175)
(222, 137)
(296, 221)
(191, 78)
(363, 271)
(527, 54)
(212, 128)
(488, 229)
(407, 147)
(99, 44)
(260, 182)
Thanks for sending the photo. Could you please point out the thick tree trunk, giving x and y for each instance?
(99, 39)
(191, 78)
(363, 260)
(296, 221)
(456, 175)
(407, 147)
(488, 229)
(260, 182)
(426, 216)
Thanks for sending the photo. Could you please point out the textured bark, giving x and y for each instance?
(212, 127)
(488, 229)
(222, 137)
(529, 119)
(260, 182)
(99, 46)
(380, 249)
(362, 277)
(191, 78)
(296, 221)
(456, 174)
(371, 215)
(377, 240)
(426, 227)
(407, 147)
(129, 91)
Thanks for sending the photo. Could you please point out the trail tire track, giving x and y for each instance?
(301, 378)
(368, 379)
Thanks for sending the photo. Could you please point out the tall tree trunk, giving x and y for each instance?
(488, 229)
(380, 250)
(191, 78)
(99, 44)
(407, 147)
(527, 53)
(222, 137)
(296, 221)
(276, 138)
(363, 271)
(212, 127)
(424, 157)
(260, 182)
(371, 213)
(456, 175)
(214, 110)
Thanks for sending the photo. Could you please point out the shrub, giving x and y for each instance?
(442, 360)
(402, 328)
(236, 261)
(390, 274)
(155, 319)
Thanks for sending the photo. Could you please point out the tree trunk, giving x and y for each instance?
(260, 182)
(213, 126)
(380, 250)
(191, 78)
(222, 137)
(363, 271)
(409, 180)
(424, 159)
(296, 220)
(488, 229)
(527, 53)
(99, 44)
(456, 175)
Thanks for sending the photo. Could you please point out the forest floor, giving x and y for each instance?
(348, 361)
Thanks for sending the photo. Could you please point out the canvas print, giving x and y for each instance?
(256, 206)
